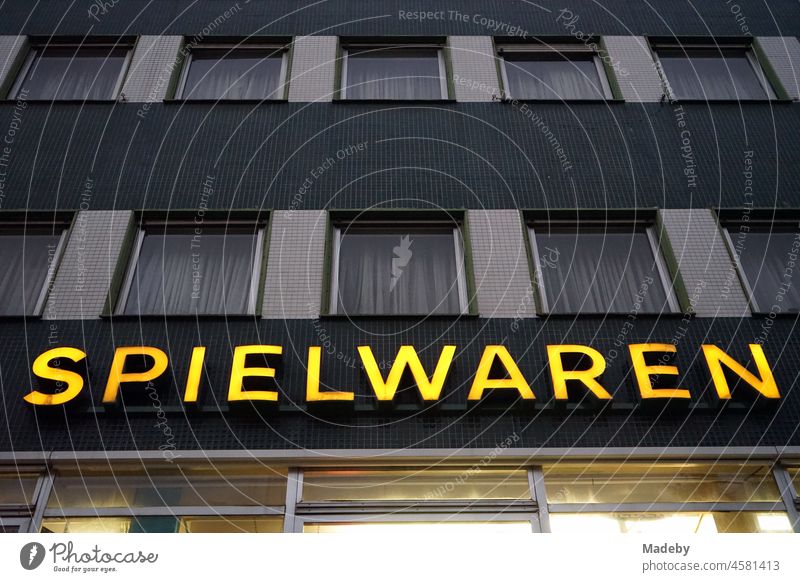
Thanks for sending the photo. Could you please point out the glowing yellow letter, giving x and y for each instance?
(312, 381)
(515, 380)
(643, 371)
(765, 385)
(430, 389)
(195, 374)
(239, 371)
(587, 377)
(73, 380)
(116, 376)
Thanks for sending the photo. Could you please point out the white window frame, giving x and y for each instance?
(652, 238)
(233, 48)
(760, 74)
(34, 51)
(557, 50)
(458, 244)
(133, 261)
(443, 85)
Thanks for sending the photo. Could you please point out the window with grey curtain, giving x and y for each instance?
(552, 76)
(74, 73)
(242, 73)
(24, 263)
(393, 73)
(592, 271)
(398, 272)
(180, 273)
(764, 258)
(711, 74)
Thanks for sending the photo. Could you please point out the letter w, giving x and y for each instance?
(429, 388)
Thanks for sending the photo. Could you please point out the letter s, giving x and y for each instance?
(41, 368)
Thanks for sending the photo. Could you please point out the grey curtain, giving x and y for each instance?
(764, 259)
(385, 274)
(74, 73)
(599, 272)
(24, 261)
(555, 77)
(707, 74)
(173, 278)
(393, 74)
(238, 74)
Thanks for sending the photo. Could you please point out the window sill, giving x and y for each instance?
(393, 101)
(614, 314)
(207, 101)
(696, 100)
(176, 317)
(66, 101)
(512, 100)
(364, 316)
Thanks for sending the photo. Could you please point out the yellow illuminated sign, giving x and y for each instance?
(573, 365)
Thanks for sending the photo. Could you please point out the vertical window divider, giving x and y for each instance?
(294, 489)
(124, 293)
(751, 298)
(45, 487)
(539, 493)
(537, 271)
(51, 273)
(788, 495)
(461, 275)
(334, 293)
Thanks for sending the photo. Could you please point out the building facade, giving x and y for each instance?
(278, 267)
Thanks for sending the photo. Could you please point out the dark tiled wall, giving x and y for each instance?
(357, 17)
(463, 155)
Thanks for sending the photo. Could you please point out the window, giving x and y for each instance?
(417, 484)
(234, 72)
(20, 495)
(663, 498)
(380, 269)
(712, 72)
(180, 269)
(600, 269)
(67, 71)
(28, 260)
(764, 252)
(553, 72)
(393, 72)
(483, 499)
(196, 498)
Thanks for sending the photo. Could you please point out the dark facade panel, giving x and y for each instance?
(453, 425)
(385, 17)
(348, 155)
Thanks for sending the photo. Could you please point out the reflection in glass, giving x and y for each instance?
(764, 257)
(74, 73)
(393, 73)
(552, 76)
(670, 523)
(664, 483)
(423, 484)
(25, 260)
(711, 74)
(413, 528)
(243, 73)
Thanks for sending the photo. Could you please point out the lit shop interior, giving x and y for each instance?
(196, 496)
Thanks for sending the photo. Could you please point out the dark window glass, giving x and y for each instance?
(393, 73)
(765, 258)
(599, 271)
(234, 74)
(553, 76)
(182, 273)
(24, 263)
(711, 74)
(400, 272)
(74, 73)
